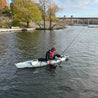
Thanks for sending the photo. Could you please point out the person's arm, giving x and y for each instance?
(58, 55)
(47, 57)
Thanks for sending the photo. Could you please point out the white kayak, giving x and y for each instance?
(37, 63)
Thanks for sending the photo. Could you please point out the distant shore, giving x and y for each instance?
(16, 29)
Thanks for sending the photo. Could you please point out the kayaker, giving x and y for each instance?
(50, 55)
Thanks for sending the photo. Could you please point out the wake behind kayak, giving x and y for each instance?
(37, 63)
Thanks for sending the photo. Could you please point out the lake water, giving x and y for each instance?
(77, 78)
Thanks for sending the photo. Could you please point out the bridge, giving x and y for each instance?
(79, 20)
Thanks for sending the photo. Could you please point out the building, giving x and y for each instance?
(2, 3)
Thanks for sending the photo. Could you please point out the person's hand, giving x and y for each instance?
(48, 62)
(61, 55)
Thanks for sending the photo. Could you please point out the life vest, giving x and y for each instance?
(51, 54)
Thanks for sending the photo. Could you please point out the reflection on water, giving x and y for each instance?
(35, 43)
(77, 78)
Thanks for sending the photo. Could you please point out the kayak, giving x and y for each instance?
(39, 63)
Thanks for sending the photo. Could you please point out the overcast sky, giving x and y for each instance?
(77, 8)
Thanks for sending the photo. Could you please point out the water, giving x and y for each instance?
(77, 78)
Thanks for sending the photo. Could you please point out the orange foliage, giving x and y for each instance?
(2, 3)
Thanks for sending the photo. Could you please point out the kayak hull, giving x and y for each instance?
(37, 63)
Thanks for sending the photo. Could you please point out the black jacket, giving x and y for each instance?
(53, 57)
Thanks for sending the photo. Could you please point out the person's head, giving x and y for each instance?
(53, 49)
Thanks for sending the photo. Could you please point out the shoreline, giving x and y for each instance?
(16, 29)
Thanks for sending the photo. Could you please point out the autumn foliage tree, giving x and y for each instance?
(25, 11)
(2, 3)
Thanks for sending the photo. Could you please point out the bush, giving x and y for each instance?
(6, 11)
(23, 25)
(15, 23)
(4, 25)
(20, 24)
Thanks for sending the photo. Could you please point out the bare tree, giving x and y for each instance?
(43, 6)
(51, 13)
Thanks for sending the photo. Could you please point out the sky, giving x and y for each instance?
(77, 8)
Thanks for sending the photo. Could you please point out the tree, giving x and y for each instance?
(51, 13)
(11, 7)
(6, 11)
(0, 11)
(43, 7)
(2, 3)
(25, 11)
